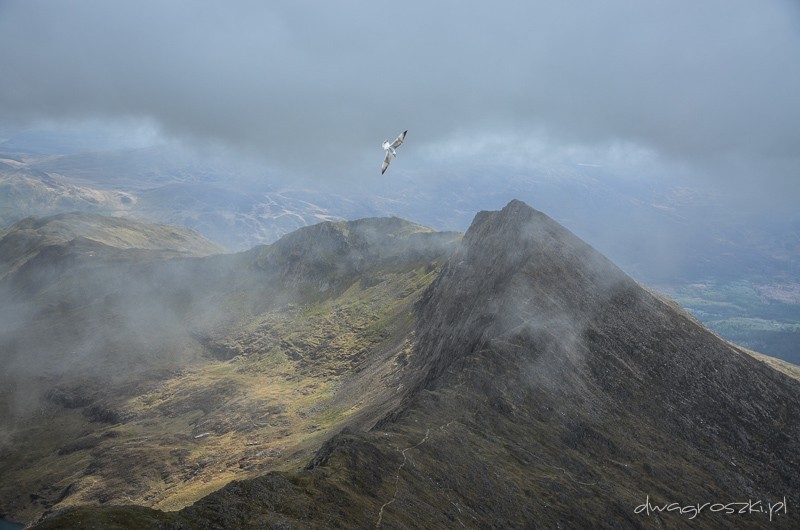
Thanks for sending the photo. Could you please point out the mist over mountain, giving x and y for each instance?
(379, 373)
(216, 311)
(73, 302)
(120, 355)
(735, 269)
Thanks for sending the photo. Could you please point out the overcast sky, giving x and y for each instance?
(707, 86)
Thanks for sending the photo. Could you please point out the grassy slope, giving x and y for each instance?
(284, 390)
(792, 370)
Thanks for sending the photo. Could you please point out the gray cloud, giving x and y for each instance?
(314, 87)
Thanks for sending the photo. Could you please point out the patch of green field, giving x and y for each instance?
(743, 313)
(744, 324)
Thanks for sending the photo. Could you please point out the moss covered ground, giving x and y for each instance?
(271, 389)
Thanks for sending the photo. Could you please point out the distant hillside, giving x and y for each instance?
(379, 374)
(30, 237)
(25, 191)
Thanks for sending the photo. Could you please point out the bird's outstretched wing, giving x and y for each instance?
(399, 139)
(386, 162)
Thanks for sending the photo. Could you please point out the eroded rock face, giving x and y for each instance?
(518, 275)
(567, 364)
(532, 299)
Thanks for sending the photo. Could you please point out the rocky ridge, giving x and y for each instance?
(544, 387)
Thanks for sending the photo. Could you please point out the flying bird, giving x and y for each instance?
(390, 150)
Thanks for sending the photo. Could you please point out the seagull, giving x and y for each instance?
(390, 150)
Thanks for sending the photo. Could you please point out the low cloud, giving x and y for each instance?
(314, 88)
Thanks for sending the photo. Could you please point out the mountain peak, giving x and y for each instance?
(520, 233)
(517, 269)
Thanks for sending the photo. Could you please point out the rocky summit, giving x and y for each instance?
(512, 378)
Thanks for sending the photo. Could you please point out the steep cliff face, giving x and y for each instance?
(519, 277)
(542, 387)
(541, 307)
(558, 364)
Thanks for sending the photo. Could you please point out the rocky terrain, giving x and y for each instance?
(156, 375)
(378, 374)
